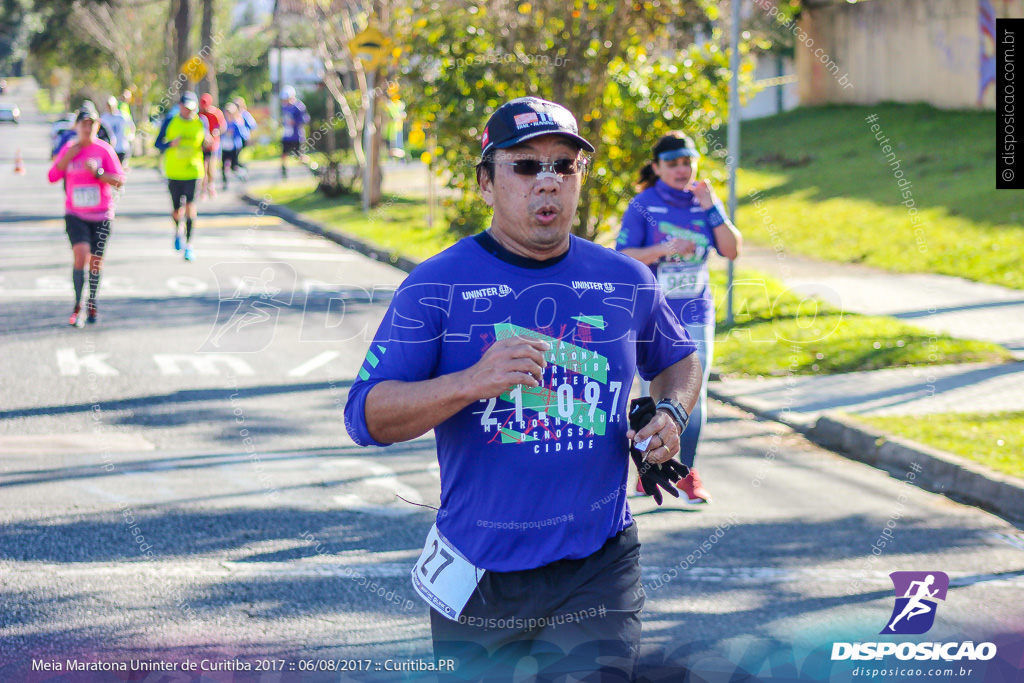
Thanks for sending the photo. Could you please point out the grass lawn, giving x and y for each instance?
(398, 224)
(995, 440)
(776, 333)
(44, 104)
(828, 191)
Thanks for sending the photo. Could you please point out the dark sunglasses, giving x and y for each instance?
(533, 167)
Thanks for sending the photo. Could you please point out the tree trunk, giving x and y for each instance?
(376, 171)
(182, 26)
(209, 81)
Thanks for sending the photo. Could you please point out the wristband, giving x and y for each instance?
(715, 216)
(676, 410)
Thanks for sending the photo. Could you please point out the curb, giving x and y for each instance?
(299, 221)
(940, 472)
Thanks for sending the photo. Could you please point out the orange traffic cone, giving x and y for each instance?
(19, 163)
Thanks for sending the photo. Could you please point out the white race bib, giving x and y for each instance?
(85, 197)
(443, 577)
(682, 280)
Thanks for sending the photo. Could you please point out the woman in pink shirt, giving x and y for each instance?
(91, 173)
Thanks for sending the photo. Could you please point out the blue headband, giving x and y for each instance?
(676, 153)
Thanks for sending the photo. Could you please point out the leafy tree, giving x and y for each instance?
(18, 23)
(629, 71)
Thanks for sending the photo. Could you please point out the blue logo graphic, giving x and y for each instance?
(916, 595)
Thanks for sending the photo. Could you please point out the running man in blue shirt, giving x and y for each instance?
(517, 346)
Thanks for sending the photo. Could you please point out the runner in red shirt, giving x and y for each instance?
(217, 124)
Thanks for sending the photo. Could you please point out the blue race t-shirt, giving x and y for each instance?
(293, 120)
(537, 474)
(659, 214)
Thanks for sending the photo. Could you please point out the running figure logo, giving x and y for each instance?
(916, 593)
(252, 296)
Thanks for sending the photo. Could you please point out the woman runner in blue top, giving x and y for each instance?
(671, 226)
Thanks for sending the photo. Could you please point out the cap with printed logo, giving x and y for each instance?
(528, 117)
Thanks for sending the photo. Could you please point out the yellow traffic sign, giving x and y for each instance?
(370, 46)
(195, 69)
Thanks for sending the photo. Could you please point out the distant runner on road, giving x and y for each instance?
(91, 171)
(215, 125)
(118, 125)
(182, 141)
(293, 120)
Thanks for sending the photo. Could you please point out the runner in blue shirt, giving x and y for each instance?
(518, 347)
(672, 226)
(293, 123)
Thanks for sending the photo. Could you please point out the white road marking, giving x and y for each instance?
(70, 364)
(201, 363)
(1017, 540)
(184, 285)
(313, 363)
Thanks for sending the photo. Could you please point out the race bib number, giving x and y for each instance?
(85, 197)
(682, 281)
(443, 577)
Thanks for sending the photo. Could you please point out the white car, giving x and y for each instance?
(9, 112)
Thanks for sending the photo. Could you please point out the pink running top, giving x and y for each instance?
(87, 197)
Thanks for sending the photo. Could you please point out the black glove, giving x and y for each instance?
(641, 410)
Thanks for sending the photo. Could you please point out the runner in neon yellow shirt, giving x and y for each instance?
(182, 143)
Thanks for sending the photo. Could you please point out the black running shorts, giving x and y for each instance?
(96, 233)
(182, 188)
(569, 618)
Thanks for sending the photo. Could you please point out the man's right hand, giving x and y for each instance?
(508, 362)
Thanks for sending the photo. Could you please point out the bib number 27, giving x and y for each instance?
(447, 558)
(443, 577)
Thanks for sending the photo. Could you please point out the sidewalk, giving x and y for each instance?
(815, 405)
(961, 308)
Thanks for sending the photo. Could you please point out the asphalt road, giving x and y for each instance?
(177, 484)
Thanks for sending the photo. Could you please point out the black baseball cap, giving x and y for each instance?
(87, 110)
(528, 117)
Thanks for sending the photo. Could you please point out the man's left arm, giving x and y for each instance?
(680, 381)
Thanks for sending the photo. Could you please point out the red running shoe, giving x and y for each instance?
(693, 489)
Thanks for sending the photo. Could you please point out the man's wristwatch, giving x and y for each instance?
(98, 173)
(676, 410)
